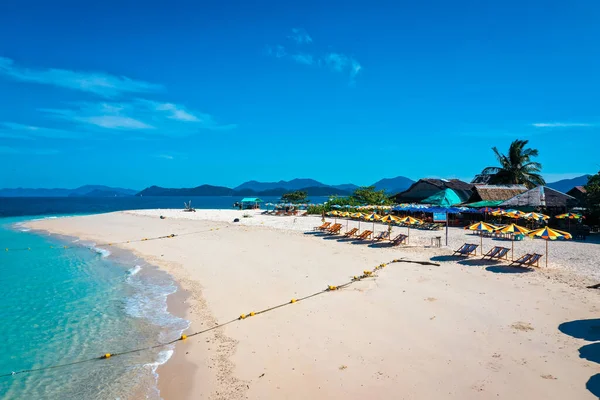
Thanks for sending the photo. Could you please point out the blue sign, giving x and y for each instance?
(439, 217)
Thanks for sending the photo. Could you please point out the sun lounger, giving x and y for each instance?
(467, 250)
(529, 260)
(351, 232)
(382, 235)
(335, 229)
(322, 227)
(400, 239)
(365, 235)
(502, 254)
(492, 253)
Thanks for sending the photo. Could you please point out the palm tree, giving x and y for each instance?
(517, 167)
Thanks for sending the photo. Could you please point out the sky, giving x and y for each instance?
(180, 94)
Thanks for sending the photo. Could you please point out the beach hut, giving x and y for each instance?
(250, 203)
(541, 197)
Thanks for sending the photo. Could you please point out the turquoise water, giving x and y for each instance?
(59, 306)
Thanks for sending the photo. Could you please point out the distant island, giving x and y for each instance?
(246, 189)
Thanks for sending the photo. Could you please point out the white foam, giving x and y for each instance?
(133, 271)
(103, 252)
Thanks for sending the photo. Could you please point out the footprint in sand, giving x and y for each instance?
(430, 299)
(522, 326)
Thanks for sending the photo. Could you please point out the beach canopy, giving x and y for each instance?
(410, 221)
(498, 213)
(536, 216)
(445, 198)
(569, 216)
(513, 228)
(492, 204)
(344, 214)
(251, 200)
(388, 219)
(515, 214)
(482, 227)
(549, 234)
(372, 217)
(333, 213)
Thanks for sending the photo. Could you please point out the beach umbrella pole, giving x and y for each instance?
(512, 252)
(546, 253)
(481, 246)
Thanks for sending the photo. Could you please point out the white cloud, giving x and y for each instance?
(303, 58)
(13, 130)
(560, 125)
(139, 115)
(102, 84)
(342, 63)
(300, 36)
(166, 156)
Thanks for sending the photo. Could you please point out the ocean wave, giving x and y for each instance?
(133, 271)
(103, 252)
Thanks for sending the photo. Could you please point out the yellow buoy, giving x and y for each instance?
(332, 287)
(293, 300)
(183, 337)
(107, 355)
(252, 314)
(242, 316)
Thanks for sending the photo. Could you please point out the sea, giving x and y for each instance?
(60, 306)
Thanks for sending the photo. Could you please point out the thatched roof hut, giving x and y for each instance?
(495, 192)
(541, 197)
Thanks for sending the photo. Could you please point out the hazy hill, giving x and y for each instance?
(394, 185)
(564, 185)
(100, 190)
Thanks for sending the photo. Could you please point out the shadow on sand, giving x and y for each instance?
(446, 258)
(505, 269)
(593, 385)
(590, 352)
(587, 329)
(477, 262)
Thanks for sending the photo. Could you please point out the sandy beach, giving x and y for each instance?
(465, 329)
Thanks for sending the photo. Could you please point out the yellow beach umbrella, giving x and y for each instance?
(498, 213)
(513, 229)
(334, 214)
(388, 219)
(372, 217)
(409, 221)
(549, 234)
(515, 214)
(569, 216)
(345, 214)
(482, 227)
(536, 216)
(358, 216)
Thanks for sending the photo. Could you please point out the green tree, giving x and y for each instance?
(368, 195)
(299, 196)
(593, 196)
(517, 166)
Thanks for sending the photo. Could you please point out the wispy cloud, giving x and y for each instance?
(334, 61)
(165, 156)
(303, 58)
(138, 115)
(560, 125)
(300, 36)
(99, 83)
(13, 130)
(342, 63)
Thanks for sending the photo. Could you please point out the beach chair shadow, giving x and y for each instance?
(587, 329)
(445, 258)
(381, 245)
(590, 352)
(593, 385)
(477, 262)
(504, 269)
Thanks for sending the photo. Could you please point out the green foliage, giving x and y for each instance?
(517, 166)
(297, 197)
(593, 196)
(368, 195)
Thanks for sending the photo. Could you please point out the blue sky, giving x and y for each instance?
(185, 93)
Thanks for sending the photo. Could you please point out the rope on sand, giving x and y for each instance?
(330, 288)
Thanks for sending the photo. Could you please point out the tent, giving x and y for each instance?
(485, 203)
(443, 198)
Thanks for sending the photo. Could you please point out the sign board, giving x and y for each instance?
(439, 217)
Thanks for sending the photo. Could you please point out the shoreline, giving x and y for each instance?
(177, 368)
(241, 359)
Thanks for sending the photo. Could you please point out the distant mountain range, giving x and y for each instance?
(256, 189)
(246, 189)
(565, 185)
(82, 191)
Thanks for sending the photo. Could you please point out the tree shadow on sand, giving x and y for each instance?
(505, 269)
(477, 262)
(446, 258)
(590, 352)
(587, 329)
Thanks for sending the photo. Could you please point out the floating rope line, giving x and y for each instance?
(330, 288)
